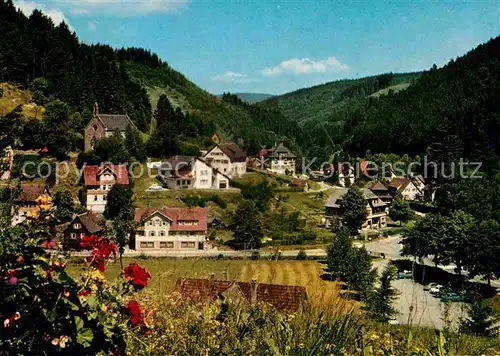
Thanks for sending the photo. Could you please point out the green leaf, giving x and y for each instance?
(85, 337)
(78, 323)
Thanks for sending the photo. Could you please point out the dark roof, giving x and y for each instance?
(115, 122)
(178, 162)
(90, 221)
(233, 151)
(30, 191)
(281, 151)
(376, 185)
(282, 297)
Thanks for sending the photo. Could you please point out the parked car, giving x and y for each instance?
(452, 297)
(405, 275)
(429, 286)
(436, 290)
(392, 321)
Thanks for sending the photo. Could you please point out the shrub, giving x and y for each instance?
(302, 255)
(220, 256)
(1, 92)
(86, 316)
(255, 255)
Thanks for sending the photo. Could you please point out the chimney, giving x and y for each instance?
(96, 109)
(253, 291)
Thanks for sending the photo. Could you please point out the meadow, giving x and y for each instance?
(165, 272)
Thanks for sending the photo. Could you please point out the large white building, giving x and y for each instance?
(228, 158)
(188, 172)
(170, 229)
(98, 181)
(278, 159)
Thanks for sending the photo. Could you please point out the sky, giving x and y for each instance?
(274, 47)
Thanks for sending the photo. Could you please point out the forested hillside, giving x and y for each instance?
(455, 106)
(319, 102)
(52, 64)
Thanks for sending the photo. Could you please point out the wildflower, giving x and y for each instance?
(134, 309)
(17, 316)
(66, 293)
(12, 281)
(104, 308)
(50, 244)
(6, 323)
(97, 275)
(84, 293)
(146, 331)
(136, 275)
(20, 259)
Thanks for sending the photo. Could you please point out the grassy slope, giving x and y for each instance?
(318, 102)
(13, 96)
(189, 97)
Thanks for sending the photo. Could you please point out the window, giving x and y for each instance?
(73, 236)
(150, 223)
(162, 233)
(187, 244)
(152, 233)
(164, 223)
(77, 226)
(166, 244)
(104, 197)
(204, 181)
(109, 186)
(147, 245)
(95, 197)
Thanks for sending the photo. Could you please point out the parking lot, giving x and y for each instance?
(415, 305)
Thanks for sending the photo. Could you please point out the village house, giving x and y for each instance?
(98, 181)
(82, 224)
(380, 190)
(189, 172)
(285, 298)
(170, 229)
(6, 163)
(227, 158)
(376, 217)
(278, 159)
(32, 199)
(409, 189)
(104, 125)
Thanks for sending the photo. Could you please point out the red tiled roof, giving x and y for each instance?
(30, 191)
(298, 182)
(176, 215)
(282, 297)
(91, 174)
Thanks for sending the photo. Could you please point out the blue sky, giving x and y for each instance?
(279, 46)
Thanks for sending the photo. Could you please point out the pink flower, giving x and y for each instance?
(12, 281)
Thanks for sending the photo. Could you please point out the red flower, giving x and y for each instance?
(134, 309)
(101, 250)
(84, 293)
(88, 242)
(145, 330)
(136, 275)
(66, 293)
(50, 244)
(20, 259)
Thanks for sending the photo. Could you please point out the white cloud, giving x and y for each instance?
(306, 65)
(55, 14)
(91, 26)
(123, 7)
(232, 77)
